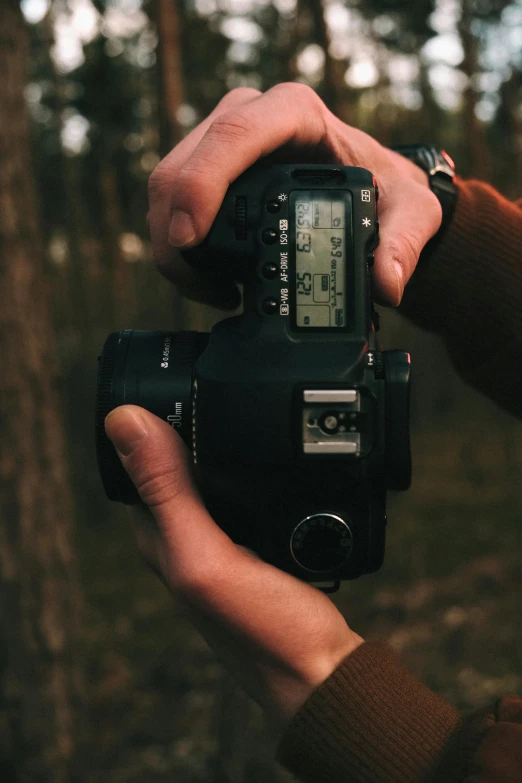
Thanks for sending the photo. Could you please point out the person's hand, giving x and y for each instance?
(187, 188)
(280, 637)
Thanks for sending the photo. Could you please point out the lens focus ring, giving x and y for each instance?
(153, 370)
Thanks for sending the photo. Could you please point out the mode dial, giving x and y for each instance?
(321, 542)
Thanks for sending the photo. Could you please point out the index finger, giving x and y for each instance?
(233, 142)
(160, 184)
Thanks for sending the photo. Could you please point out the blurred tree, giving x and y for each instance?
(475, 157)
(411, 22)
(310, 27)
(40, 673)
(476, 19)
(397, 29)
(507, 134)
(167, 17)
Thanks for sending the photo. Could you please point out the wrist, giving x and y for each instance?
(403, 180)
(404, 175)
(294, 700)
(439, 168)
(409, 170)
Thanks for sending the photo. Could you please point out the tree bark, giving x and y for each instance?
(477, 164)
(167, 17)
(40, 678)
(310, 26)
(510, 124)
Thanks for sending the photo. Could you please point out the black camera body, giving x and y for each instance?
(297, 423)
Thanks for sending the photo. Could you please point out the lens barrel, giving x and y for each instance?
(153, 370)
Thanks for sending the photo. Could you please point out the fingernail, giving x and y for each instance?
(181, 230)
(126, 429)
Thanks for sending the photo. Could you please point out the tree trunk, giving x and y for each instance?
(167, 17)
(40, 681)
(477, 163)
(509, 123)
(310, 27)
(121, 285)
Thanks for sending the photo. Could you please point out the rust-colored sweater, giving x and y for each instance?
(371, 720)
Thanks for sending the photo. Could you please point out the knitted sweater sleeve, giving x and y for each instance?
(469, 291)
(371, 721)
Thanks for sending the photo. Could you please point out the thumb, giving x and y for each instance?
(158, 463)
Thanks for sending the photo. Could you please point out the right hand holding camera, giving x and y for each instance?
(291, 122)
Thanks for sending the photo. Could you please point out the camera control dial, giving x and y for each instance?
(321, 542)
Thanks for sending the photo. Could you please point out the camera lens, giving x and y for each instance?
(150, 369)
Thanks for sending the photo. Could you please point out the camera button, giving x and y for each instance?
(270, 271)
(269, 236)
(270, 306)
(273, 206)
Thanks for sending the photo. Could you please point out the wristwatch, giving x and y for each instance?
(440, 169)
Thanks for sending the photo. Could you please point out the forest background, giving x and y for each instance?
(102, 677)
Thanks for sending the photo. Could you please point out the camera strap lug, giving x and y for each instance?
(333, 588)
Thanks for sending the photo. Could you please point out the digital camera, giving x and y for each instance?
(297, 423)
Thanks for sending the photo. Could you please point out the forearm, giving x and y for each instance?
(469, 290)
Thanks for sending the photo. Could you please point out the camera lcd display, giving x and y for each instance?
(320, 252)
